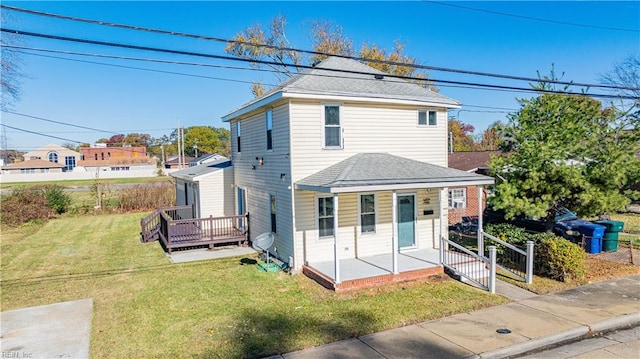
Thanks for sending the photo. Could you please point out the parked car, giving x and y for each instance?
(566, 224)
(468, 225)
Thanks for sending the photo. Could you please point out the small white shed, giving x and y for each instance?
(209, 187)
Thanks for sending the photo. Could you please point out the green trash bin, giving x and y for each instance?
(610, 238)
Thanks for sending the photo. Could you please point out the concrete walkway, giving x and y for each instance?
(532, 323)
(60, 330)
(201, 254)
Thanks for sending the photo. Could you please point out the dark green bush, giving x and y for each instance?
(57, 198)
(554, 257)
(558, 258)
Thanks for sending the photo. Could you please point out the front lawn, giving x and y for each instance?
(145, 306)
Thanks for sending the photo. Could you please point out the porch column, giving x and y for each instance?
(480, 229)
(442, 194)
(336, 259)
(394, 230)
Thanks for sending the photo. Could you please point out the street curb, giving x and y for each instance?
(620, 322)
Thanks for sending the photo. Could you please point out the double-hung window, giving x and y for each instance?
(458, 198)
(427, 118)
(367, 213)
(272, 200)
(326, 216)
(332, 127)
(269, 119)
(238, 135)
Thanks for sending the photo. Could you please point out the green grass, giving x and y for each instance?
(144, 306)
(631, 222)
(87, 183)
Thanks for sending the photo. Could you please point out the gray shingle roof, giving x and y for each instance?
(338, 76)
(196, 171)
(386, 171)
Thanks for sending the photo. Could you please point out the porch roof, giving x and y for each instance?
(382, 171)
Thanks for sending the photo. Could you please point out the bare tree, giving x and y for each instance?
(11, 66)
(626, 74)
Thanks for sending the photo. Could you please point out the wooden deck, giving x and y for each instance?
(175, 228)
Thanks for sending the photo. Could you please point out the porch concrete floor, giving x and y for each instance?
(372, 266)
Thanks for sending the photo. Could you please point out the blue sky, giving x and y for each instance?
(116, 99)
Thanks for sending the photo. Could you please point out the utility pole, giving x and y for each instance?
(195, 146)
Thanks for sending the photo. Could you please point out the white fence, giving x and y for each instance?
(79, 174)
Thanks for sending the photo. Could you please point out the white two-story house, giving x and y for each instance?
(348, 167)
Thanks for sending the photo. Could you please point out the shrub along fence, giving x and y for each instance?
(555, 257)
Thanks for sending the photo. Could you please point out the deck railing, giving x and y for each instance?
(176, 227)
(513, 259)
(469, 265)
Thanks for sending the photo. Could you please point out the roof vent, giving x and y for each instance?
(378, 77)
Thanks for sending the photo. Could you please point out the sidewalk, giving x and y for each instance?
(534, 322)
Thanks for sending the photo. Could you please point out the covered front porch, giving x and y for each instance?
(379, 219)
(375, 270)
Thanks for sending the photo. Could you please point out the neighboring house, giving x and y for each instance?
(344, 165)
(174, 162)
(102, 157)
(208, 187)
(33, 166)
(204, 159)
(55, 154)
(463, 201)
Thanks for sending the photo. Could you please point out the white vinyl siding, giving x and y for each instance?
(351, 242)
(366, 128)
(217, 197)
(271, 178)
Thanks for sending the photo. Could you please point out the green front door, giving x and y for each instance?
(406, 221)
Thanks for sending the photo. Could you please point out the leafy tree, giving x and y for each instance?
(461, 134)
(71, 146)
(137, 139)
(566, 150)
(490, 138)
(327, 38)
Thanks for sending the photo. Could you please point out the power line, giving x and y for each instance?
(530, 17)
(39, 133)
(221, 57)
(141, 68)
(441, 83)
(199, 64)
(58, 122)
(291, 49)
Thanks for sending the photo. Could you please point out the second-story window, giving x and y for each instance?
(427, 118)
(238, 134)
(269, 118)
(332, 127)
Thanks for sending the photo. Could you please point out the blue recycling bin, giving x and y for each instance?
(593, 245)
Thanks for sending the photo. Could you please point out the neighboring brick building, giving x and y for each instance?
(114, 158)
(463, 201)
